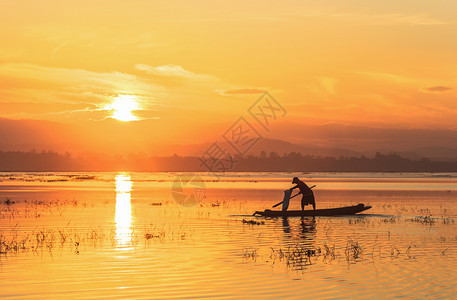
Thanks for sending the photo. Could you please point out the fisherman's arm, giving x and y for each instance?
(292, 188)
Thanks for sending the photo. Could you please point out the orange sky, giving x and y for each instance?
(194, 64)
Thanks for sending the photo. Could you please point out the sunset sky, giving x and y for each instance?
(188, 69)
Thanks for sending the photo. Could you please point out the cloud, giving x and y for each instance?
(324, 86)
(66, 91)
(391, 19)
(328, 84)
(58, 93)
(46, 108)
(247, 91)
(298, 14)
(36, 77)
(435, 89)
(389, 77)
(174, 71)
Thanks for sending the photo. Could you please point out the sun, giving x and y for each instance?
(122, 108)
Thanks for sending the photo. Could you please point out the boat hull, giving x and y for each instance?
(340, 211)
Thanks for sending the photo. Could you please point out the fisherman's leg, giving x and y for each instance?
(303, 203)
(313, 201)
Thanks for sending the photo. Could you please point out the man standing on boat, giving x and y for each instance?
(308, 195)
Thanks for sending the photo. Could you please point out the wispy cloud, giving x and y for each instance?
(307, 13)
(174, 71)
(323, 86)
(435, 89)
(327, 84)
(242, 91)
(56, 93)
(65, 90)
(73, 38)
(298, 15)
(382, 76)
(389, 19)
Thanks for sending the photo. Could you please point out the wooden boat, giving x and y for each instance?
(340, 211)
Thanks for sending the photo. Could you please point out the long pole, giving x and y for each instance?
(291, 197)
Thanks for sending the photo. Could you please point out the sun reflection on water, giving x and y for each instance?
(123, 215)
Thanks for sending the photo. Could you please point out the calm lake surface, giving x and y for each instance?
(170, 235)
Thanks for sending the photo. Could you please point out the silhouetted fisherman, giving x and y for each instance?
(308, 195)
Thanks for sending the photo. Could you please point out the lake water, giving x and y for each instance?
(170, 235)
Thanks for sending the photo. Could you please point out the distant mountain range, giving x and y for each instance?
(333, 140)
(284, 147)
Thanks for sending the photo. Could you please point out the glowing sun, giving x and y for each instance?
(122, 108)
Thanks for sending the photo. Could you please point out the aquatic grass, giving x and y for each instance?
(408, 251)
(7, 201)
(36, 208)
(426, 220)
(424, 211)
(448, 221)
(12, 243)
(328, 227)
(353, 251)
(394, 251)
(386, 207)
(358, 221)
(253, 222)
(297, 256)
(165, 234)
(160, 236)
(390, 220)
(250, 254)
(329, 251)
(48, 239)
(217, 203)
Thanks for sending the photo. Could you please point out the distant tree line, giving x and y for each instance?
(380, 163)
(52, 161)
